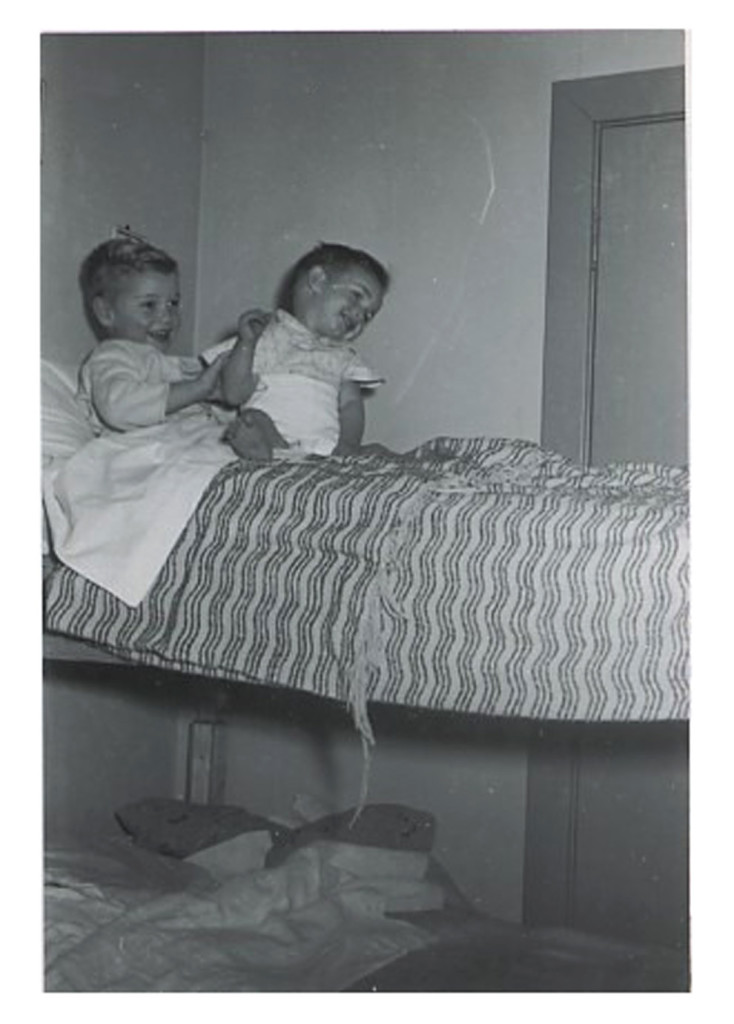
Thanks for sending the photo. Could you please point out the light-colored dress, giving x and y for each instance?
(124, 385)
(298, 379)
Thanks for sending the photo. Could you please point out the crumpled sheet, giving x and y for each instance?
(305, 926)
(118, 505)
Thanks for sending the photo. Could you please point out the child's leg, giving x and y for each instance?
(253, 436)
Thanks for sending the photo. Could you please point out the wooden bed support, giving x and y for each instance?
(205, 763)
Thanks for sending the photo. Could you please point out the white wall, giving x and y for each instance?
(382, 141)
(121, 120)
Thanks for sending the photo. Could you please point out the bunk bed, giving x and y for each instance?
(477, 576)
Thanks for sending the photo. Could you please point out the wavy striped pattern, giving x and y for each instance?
(474, 575)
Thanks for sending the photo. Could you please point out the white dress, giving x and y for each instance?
(124, 385)
(298, 379)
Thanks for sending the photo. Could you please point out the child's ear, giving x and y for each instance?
(316, 278)
(102, 310)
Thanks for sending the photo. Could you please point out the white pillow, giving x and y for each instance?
(64, 427)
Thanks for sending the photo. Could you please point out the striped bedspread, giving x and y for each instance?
(473, 575)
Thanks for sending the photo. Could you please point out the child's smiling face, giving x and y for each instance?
(142, 307)
(338, 303)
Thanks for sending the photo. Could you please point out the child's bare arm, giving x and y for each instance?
(202, 388)
(238, 379)
(351, 418)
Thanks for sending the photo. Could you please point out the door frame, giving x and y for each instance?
(581, 109)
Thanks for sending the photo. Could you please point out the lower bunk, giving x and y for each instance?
(171, 906)
(203, 893)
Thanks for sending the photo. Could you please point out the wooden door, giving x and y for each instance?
(614, 373)
(638, 407)
(607, 806)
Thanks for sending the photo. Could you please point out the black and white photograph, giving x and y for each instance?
(386, 690)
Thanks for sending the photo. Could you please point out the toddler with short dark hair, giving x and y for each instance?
(295, 374)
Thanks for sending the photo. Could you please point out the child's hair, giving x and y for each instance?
(331, 256)
(114, 259)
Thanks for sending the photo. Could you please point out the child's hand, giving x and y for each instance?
(205, 387)
(251, 324)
